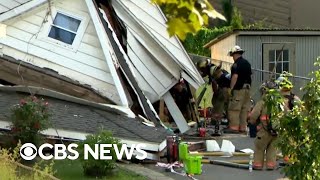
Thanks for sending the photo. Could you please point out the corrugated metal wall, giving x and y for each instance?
(307, 49)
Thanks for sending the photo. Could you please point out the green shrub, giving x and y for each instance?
(194, 43)
(98, 168)
(236, 21)
(300, 132)
(227, 8)
(261, 24)
(10, 167)
(29, 118)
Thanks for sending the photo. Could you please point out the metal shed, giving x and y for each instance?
(295, 51)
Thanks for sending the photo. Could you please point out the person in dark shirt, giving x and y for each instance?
(220, 82)
(181, 97)
(239, 104)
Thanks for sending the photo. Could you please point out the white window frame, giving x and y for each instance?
(280, 61)
(84, 21)
(290, 46)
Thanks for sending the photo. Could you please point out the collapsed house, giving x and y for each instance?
(113, 58)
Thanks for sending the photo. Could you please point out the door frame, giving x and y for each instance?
(266, 47)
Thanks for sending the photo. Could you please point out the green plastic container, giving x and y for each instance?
(192, 165)
(183, 151)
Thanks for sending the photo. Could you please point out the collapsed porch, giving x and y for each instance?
(74, 118)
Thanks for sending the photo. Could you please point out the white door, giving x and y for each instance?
(278, 57)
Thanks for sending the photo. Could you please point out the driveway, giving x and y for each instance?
(211, 172)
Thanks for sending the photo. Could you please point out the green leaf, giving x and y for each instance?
(186, 4)
(196, 18)
(186, 14)
(179, 27)
(299, 133)
(205, 19)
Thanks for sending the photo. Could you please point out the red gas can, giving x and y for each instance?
(172, 149)
(202, 132)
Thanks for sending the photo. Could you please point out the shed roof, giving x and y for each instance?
(265, 32)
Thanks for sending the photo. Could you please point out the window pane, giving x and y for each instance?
(279, 67)
(62, 35)
(271, 55)
(66, 22)
(286, 66)
(278, 52)
(286, 55)
(271, 66)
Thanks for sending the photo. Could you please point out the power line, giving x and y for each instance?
(269, 72)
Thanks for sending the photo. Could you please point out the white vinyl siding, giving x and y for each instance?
(6, 5)
(85, 64)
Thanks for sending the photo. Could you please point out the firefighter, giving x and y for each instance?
(266, 136)
(265, 139)
(286, 87)
(239, 104)
(291, 99)
(220, 81)
(180, 95)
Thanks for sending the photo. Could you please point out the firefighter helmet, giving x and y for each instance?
(203, 63)
(215, 70)
(236, 49)
(283, 81)
(267, 85)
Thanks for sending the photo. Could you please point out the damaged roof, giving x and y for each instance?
(152, 66)
(82, 118)
(7, 5)
(50, 79)
(147, 24)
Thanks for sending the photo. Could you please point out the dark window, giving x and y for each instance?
(281, 58)
(64, 28)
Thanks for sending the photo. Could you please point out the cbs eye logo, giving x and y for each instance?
(28, 151)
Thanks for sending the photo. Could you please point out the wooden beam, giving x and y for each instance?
(30, 77)
(107, 50)
(176, 113)
(196, 146)
(239, 161)
(218, 154)
(161, 110)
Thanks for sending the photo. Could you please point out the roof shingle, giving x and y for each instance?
(87, 119)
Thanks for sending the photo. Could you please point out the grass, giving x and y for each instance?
(70, 170)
